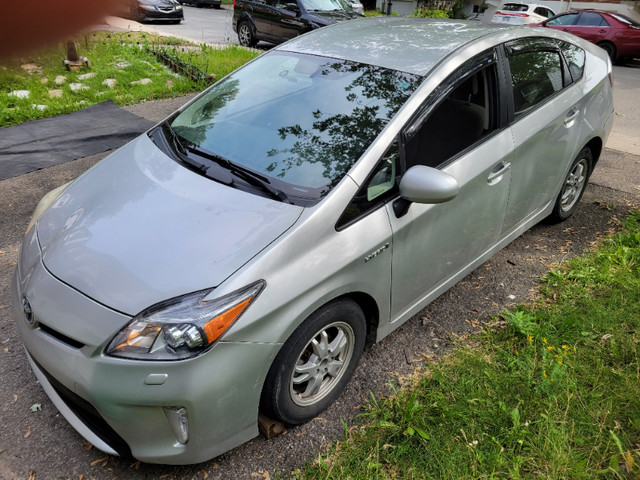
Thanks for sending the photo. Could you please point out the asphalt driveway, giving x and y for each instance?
(37, 443)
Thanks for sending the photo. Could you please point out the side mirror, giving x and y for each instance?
(292, 7)
(421, 184)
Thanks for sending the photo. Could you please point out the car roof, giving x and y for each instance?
(413, 45)
(591, 10)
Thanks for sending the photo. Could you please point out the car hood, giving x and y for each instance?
(327, 17)
(140, 228)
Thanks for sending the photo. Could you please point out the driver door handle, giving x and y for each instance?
(498, 171)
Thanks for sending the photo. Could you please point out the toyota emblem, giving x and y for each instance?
(27, 310)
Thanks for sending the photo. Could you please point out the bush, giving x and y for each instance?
(424, 13)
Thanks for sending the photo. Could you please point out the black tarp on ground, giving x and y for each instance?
(51, 141)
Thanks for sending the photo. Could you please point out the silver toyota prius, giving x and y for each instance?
(237, 257)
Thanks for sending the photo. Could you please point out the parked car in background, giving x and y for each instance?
(237, 257)
(152, 10)
(276, 21)
(617, 34)
(522, 13)
(356, 6)
(202, 3)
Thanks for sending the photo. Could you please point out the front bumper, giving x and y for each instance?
(117, 404)
(160, 15)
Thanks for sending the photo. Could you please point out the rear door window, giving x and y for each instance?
(592, 19)
(537, 73)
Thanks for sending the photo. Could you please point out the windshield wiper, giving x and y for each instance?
(222, 168)
(215, 172)
(244, 173)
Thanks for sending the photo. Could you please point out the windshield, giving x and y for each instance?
(311, 5)
(299, 119)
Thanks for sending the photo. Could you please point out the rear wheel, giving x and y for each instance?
(245, 35)
(315, 364)
(573, 186)
(610, 48)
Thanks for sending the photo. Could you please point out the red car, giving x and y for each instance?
(617, 34)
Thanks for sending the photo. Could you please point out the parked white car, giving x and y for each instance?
(356, 6)
(522, 13)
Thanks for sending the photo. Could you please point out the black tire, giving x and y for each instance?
(573, 186)
(246, 38)
(610, 48)
(315, 363)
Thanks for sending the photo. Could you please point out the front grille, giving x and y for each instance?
(88, 415)
(166, 9)
(60, 336)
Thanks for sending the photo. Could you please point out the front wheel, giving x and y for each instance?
(245, 35)
(573, 186)
(315, 364)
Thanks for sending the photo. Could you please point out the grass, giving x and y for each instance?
(550, 392)
(118, 57)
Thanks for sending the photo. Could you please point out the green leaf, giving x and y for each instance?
(515, 416)
(383, 423)
(614, 463)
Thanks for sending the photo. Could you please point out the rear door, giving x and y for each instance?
(264, 15)
(547, 114)
(288, 23)
(591, 26)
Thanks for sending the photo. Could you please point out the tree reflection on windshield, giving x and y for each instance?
(336, 140)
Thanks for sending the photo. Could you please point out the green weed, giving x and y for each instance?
(121, 70)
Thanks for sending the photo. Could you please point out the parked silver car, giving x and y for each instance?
(238, 256)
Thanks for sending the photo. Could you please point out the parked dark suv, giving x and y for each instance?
(202, 3)
(276, 21)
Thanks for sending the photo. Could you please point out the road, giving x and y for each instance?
(200, 25)
(37, 443)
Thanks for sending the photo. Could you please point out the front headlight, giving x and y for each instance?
(178, 7)
(45, 203)
(182, 327)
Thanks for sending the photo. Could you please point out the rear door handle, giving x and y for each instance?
(571, 116)
(498, 171)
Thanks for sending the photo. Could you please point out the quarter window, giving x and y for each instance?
(575, 59)
(381, 185)
(545, 12)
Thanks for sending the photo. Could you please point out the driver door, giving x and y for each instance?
(463, 134)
